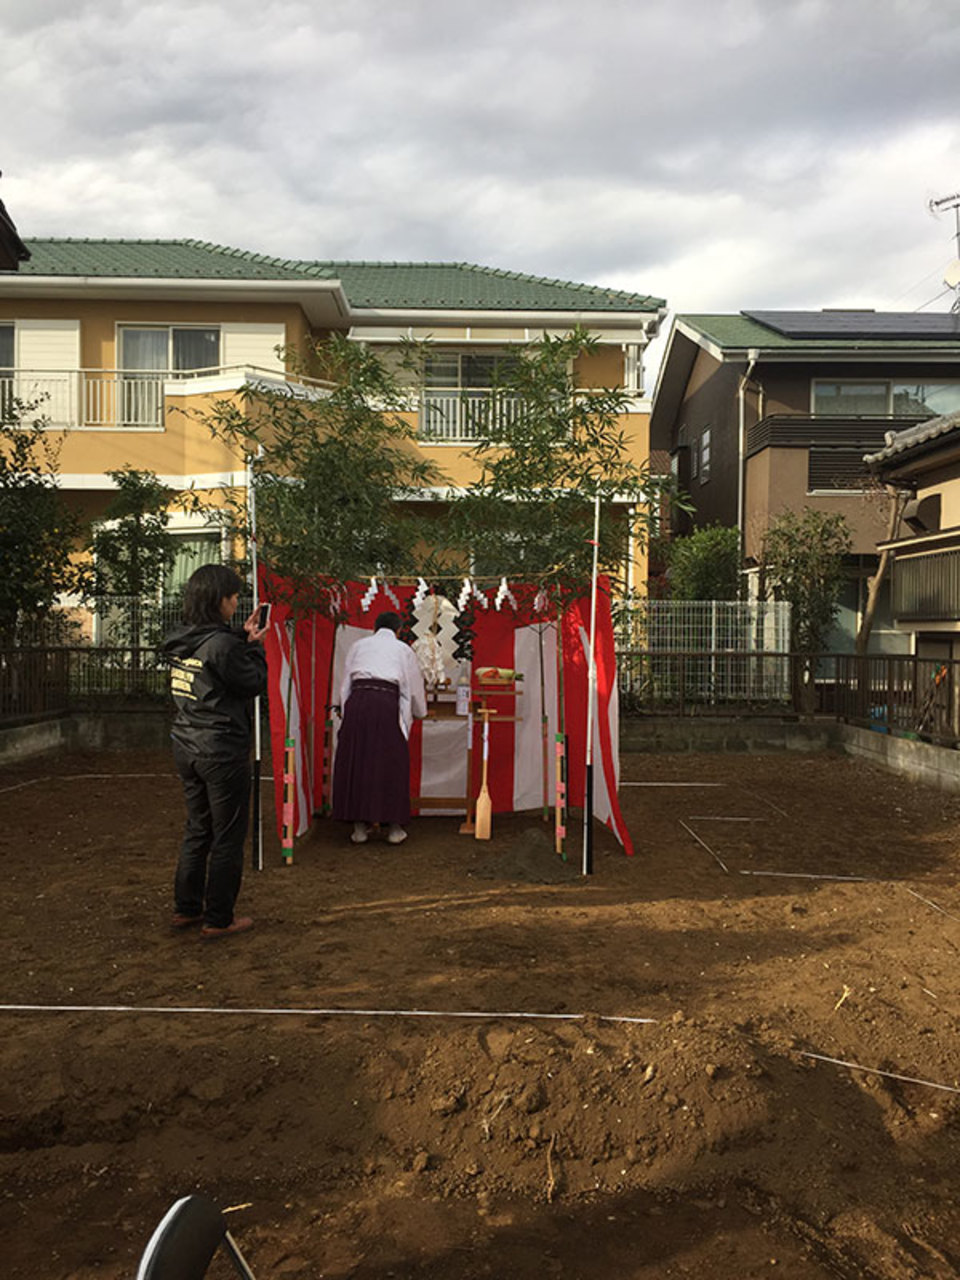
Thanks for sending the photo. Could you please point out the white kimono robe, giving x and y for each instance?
(382, 656)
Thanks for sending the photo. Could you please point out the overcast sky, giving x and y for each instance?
(721, 154)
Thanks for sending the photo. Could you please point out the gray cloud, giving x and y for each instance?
(721, 153)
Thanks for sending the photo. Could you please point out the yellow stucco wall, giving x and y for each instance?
(99, 319)
(183, 450)
(944, 481)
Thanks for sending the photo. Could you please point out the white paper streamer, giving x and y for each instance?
(369, 596)
(504, 594)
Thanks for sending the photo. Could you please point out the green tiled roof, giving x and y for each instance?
(428, 285)
(739, 333)
(153, 259)
(465, 286)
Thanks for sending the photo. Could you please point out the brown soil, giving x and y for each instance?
(395, 1146)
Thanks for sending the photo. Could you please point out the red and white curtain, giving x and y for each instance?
(306, 654)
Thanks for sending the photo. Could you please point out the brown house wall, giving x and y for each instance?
(777, 482)
(711, 401)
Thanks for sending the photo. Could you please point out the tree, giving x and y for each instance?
(896, 500)
(803, 562)
(330, 464)
(705, 565)
(39, 535)
(133, 547)
(551, 448)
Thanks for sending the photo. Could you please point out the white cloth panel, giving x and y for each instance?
(602, 807)
(528, 755)
(443, 761)
(52, 345)
(303, 806)
(344, 639)
(254, 345)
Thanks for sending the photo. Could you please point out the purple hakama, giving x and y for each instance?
(371, 771)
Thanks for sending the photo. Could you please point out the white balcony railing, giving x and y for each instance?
(128, 399)
(464, 417)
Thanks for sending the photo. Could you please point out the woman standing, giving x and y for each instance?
(217, 672)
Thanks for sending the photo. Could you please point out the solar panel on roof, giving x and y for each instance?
(878, 325)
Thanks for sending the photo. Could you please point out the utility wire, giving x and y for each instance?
(933, 300)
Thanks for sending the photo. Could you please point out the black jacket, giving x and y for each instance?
(216, 674)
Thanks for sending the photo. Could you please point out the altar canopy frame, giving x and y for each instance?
(306, 648)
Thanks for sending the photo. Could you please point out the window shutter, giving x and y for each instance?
(251, 345)
(47, 356)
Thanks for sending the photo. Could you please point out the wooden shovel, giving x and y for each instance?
(484, 803)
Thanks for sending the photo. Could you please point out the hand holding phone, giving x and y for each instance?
(257, 624)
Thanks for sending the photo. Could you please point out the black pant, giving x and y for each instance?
(217, 793)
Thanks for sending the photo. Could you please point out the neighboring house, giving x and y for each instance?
(12, 249)
(126, 341)
(766, 411)
(924, 460)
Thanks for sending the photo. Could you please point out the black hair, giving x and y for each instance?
(391, 621)
(205, 589)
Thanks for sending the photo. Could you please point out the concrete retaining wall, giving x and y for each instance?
(934, 766)
(149, 728)
(88, 730)
(922, 761)
(692, 733)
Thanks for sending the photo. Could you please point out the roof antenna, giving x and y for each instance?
(952, 277)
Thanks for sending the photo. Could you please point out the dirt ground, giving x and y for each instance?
(373, 1146)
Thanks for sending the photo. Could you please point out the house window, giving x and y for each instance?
(6, 371)
(193, 550)
(899, 399)
(850, 399)
(146, 354)
(460, 371)
(704, 455)
(926, 399)
(457, 403)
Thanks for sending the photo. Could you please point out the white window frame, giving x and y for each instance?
(888, 383)
(705, 448)
(168, 327)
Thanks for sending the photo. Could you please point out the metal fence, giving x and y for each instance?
(738, 626)
(715, 651)
(902, 694)
(110, 622)
(40, 682)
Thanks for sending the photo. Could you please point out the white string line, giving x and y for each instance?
(716, 856)
(31, 782)
(716, 817)
(101, 777)
(755, 795)
(422, 1013)
(875, 1071)
(673, 784)
(932, 904)
(318, 1013)
(807, 875)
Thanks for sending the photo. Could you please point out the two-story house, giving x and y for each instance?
(924, 463)
(766, 411)
(125, 343)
